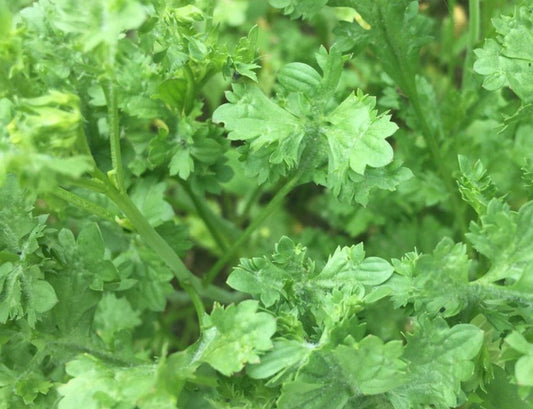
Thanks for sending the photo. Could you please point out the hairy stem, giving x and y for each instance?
(267, 211)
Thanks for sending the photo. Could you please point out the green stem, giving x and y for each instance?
(450, 40)
(474, 21)
(154, 240)
(187, 280)
(84, 204)
(104, 356)
(267, 211)
(95, 185)
(114, 134)
(205, 214)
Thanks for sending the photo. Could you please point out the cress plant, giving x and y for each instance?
(318, 204)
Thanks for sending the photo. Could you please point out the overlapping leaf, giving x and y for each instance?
(332, 144)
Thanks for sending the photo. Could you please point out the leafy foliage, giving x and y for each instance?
(506, 61)
(154, 152)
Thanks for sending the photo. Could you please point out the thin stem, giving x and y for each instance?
(95, 185)
(205, 214)
(155, 241)
(450, 40)
(114, 134)
(104, 356)
(84, 204)
(267, 211)
(187, 280)
(474, 22)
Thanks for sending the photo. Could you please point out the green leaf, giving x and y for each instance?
(440, 358)
(95, 385)
(330, 143)
(284, 355)
(436, 283)
(239, 332)
(346, 375)
(101, 22)
(505, 237)
(150, 275)
(506, 61)
(44, 296)
(82, 272)
(23, 289)
(299, 8)
(173, 93)
(395, 32)
(149, 197)
(299, 77)
(114, 315)
(524, 365)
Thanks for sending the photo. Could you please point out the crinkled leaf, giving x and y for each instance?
(239, 332)
(330, 143)
(436, 283)
(330, 377)
(439, 359)
(289, 270)
(506, 238)
(265, 278)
